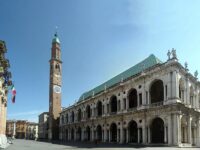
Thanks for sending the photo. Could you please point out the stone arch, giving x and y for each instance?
(113, 132)
(157, 91)
(79, 116)
(88, 112)
(113, 104)
(99, 133)
(133, 131)
(99, 108)
(181, 89)
(132, 98)
(157, 130)
(88, 137)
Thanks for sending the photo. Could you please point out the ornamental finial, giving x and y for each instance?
(186, 66)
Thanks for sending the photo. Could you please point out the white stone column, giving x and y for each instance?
(170, 130)
(149, 135)
(121, 133)
(189, 129)
(82, 134)
(175, 85)
(127, 135)
(177, 129)
(187, 92)
(138, 130)
(198, 132)
(144, 134)
(165, 134)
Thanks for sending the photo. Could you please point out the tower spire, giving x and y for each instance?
(55, 38)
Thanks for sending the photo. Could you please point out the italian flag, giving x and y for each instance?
(13, 93)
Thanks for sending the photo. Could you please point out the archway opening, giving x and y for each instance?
(99, 133)
(157, 91)
(99, 108)
(132, 97)
(113, 104)
(133, 132)
(157, 131)
(113, 132)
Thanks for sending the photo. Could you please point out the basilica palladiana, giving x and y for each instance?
(153, 102)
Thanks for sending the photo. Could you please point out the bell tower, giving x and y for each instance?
(55, 89)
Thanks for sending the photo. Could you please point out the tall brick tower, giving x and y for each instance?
(55, 89)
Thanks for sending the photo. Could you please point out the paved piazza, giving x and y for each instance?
(35, 145)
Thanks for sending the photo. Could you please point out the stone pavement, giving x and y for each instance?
(35, 145)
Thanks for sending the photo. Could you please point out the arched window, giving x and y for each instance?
(99, 108)
(132, 98)
(113, 104)
(57, 67)
(157, 91)
(88, 133)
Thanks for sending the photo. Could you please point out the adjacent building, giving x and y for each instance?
(32, 131)
(152, 102)
(5, 81)
(43, 126)
(11, 128)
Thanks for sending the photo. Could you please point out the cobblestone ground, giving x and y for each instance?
(35, 145)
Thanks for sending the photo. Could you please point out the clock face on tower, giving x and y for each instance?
(57, 89)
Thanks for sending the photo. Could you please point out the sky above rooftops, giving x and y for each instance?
(99, 39)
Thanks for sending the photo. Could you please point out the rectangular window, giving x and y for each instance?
(102, 109)
(119, 106)
(140, 99)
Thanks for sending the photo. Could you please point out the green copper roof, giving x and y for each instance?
(56, 39)
(138, 68)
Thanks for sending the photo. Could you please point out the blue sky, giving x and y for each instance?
(99, 39)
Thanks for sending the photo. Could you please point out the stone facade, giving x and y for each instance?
(11, 128)
(43, 125)
(32, 131)
(160, 104)
(21, 128)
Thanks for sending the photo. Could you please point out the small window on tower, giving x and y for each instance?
(58, 67)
